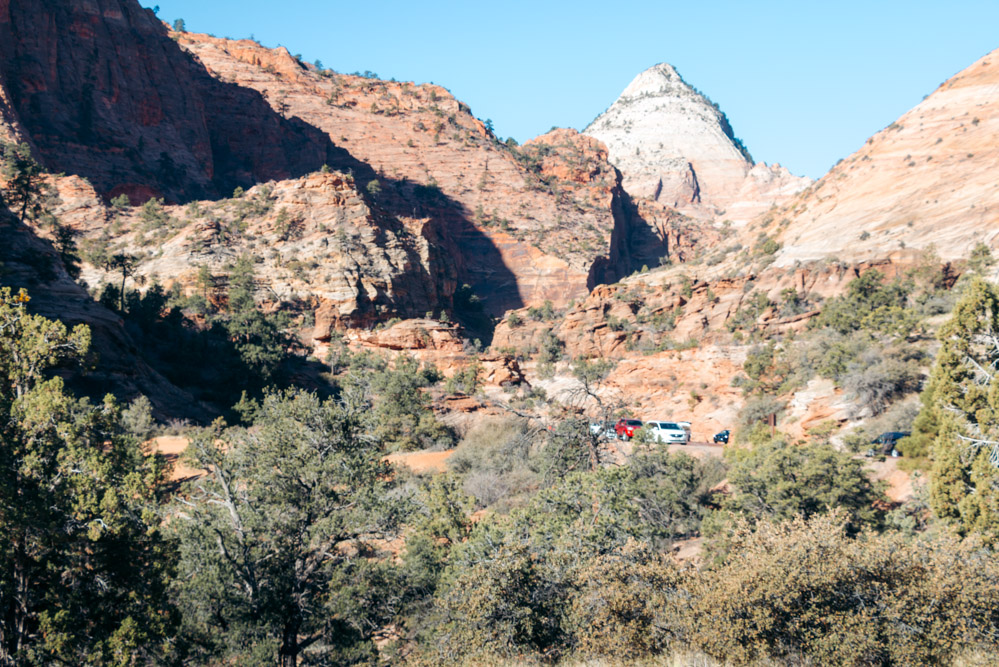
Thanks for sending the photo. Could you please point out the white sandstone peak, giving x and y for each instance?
(674, 145)
(661, 79)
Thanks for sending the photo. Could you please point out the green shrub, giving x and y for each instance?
(804, 592)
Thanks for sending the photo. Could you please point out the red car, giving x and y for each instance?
(625, 428)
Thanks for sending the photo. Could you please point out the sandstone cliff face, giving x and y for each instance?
(928, 178)
(154, 113)
(101, 91)
(522, 225)
(676, 147)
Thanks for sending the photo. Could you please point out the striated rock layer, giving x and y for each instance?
(675, 146)
(104, 91)
(928, 178)
(317, 243)
(521, 226)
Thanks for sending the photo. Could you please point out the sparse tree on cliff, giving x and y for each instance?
(65, 243)
(26, 187)
(126, 264)
(258, 337)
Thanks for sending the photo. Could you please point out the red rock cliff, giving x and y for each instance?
(102, 91)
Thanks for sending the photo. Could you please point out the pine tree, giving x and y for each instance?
(258, 338)
(82, 566)
(964, 486)
(26, 187)
(126, 264)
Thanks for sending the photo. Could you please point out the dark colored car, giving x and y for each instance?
(722, 437)
(886, 442)
(625, 428)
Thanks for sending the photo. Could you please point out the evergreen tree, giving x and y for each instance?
(65, 243)
(781, 481)
(26, 187)
(964, 486)
(82, 566)
(258, 337)
(126, 264)
(276, 540)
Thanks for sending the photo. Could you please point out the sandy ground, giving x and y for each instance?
(900, 486)
(689, 550)
(170, 447)
(422, 461)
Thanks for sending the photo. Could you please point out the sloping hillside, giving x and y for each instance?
(928, 178)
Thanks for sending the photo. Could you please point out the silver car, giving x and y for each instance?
(669, 433)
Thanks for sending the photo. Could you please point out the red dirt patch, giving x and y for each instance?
(170, 447)
(422, 461)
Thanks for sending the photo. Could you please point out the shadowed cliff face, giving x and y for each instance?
(101, 91)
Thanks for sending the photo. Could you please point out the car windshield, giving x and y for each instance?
(633, 422)
(669, 426)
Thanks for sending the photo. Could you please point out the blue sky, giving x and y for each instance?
(803, 83)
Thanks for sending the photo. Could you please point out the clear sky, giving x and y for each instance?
(803, 83)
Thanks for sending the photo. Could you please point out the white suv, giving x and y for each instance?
(670, 433)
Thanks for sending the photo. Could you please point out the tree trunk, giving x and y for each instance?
(15, 621)
(124, 277)
(288, 655)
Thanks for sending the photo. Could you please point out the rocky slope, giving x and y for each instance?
(318, 245)
(679, 336)
(928, 178)
(522, 226)
(28, 261)
(675, 146)
(190, 117)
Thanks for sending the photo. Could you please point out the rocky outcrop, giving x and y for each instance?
(675, 146)
(101, 91)
(664, 310)
(317, 243)
(441, 345)
(928, 178)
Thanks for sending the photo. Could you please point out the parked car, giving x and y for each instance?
(885, 443)
(625, 428)
(604, 429)
(721, 437)
(670, 433)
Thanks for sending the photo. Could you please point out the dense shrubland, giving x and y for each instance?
(301, 545)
